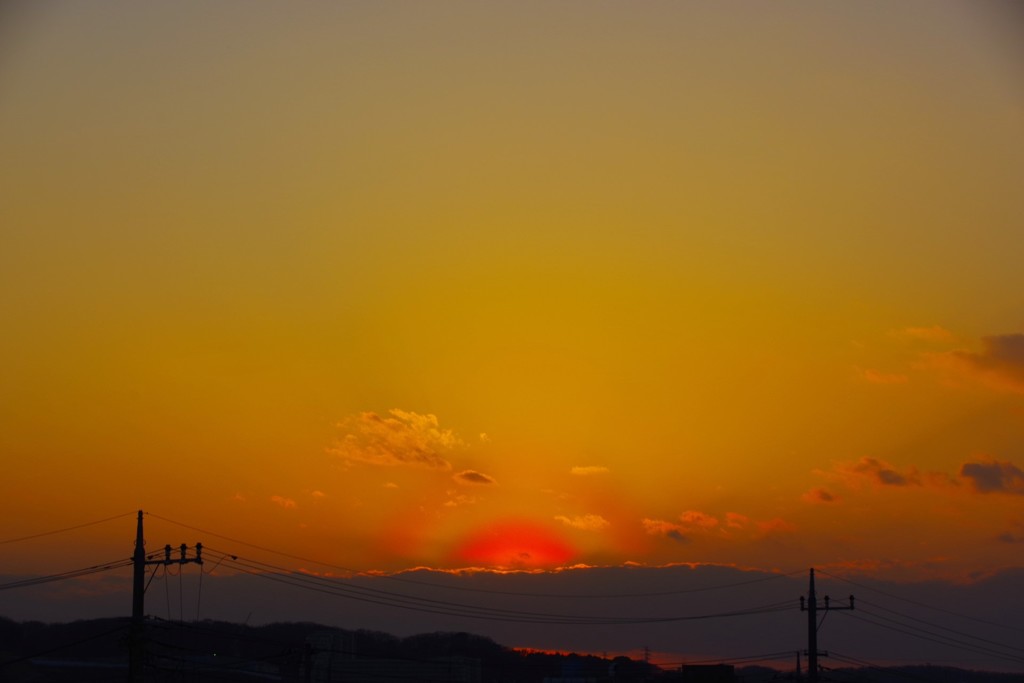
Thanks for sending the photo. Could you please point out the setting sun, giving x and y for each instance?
(515, 545)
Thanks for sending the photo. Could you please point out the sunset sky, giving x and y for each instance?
(520, 285)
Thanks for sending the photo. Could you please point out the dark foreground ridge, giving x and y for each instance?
(97, 650)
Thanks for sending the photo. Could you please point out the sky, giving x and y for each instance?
(516, 285)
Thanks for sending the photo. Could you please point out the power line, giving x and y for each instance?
(962, 634)
(922, 604)
(70, 574)
(449, 608)
(936, 638)
(891, 670)
(771, 656)
(70, 528)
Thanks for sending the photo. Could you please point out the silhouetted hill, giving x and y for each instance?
(96, 649)
(216, 650)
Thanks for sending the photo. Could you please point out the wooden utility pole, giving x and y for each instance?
(136, 633)
(811, 607)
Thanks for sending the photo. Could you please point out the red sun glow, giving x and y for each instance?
(515, 545)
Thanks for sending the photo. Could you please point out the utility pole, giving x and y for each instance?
(136, 635)
(811, 607)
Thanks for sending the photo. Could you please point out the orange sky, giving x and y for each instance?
(520, 284)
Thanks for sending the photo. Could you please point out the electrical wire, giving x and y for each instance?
(962, 634)
(70, 528)
(71, 574)
(919, 603)
(932, 637)
(401, 600)
(891, 670)
(771, 656)
(468, 589)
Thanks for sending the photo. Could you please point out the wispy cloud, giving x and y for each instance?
(473, 478)
(735, 520)
(992, 476)
(589, 470)
(877, 472)
(1000, 363)
(693, 519)
(456, 499)
(404, 438)
(1015, 534)
(585, 522)
(819, 495)
(286, 503)
(693, 525)
(661, 527)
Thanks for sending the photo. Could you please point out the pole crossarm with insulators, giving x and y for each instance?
(811, 606)
(137, 641)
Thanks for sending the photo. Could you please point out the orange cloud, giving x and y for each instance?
(585, 522)
(698, 520)
(1014, 535)
(405, 438)
(992, 476)
(286, 503)
(473, 478)
(819, 495)
(457, 499)
(660, 527)
(877, 472)
(735, 520)
(1000, 362)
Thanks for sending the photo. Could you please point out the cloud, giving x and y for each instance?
(457, 500)
(589, 470)
(473, 478)
(404, 438)
(390, 485)
(879, 472)
(1014, 535)
(735, 520)
(661, 527)
(318, 495)
(286, 503)
(698, 520)
(819, 495)
(991, 476)
(585, 522)
(1000, 362)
